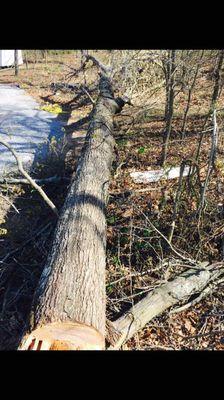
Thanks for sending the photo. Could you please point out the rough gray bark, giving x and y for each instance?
(190, 91)
(180, 289)
(215, 96)
(169, 102)
(211, 163)
(217, 79)
(70, 301)
(16, 63)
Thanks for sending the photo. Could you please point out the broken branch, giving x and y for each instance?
(153, 304)
(28, 177)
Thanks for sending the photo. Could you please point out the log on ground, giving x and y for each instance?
(69, 306)
(189, 283)
(157, 175)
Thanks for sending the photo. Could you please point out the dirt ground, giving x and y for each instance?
(134, 252)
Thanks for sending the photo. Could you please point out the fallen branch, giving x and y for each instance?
(104, 69)
(52, 179)
(28, 177)
(153, 304)
(10, 203)
(156, 175)
(88, 94)
(208, 290)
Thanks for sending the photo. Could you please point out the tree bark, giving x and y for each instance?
(169, 104)
(190, 90)
(215, 96)
(16, 62)
(217, 79)
(189, 283)
(69, 306)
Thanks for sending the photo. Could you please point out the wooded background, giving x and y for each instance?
(159, 280)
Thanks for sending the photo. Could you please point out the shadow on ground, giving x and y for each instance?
(29, 231)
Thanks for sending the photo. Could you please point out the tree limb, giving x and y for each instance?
(51, 179)
(154, 303)
(28, 177)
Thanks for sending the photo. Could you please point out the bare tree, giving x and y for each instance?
(211, 162)
(217, 80)
(16, 62)
(169, 69)
(215, 95)
(190, 91)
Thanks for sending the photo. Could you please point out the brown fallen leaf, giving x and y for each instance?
(127, 213)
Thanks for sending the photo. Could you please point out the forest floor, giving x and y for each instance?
(136, 254)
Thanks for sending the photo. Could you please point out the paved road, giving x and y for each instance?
(25, 127)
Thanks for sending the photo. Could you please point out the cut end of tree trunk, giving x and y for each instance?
(63, 336)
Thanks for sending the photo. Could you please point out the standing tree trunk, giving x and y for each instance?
(69, 307)
(190, 91)
(217, 78)
(16, 62)
(44, 55)
(215, 96)
(26, 60)
(169, 103)
(166, 70)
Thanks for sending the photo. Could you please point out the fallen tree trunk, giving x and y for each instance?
(180, 289)
(69, 306)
